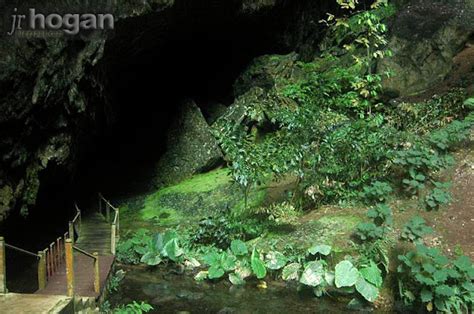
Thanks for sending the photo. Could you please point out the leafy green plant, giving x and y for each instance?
(133, 308)
(376, 192)
(381, 216)
(438, 196)
(280, 213)
(415, 183)
(454, 133)
(366, 280)
(415, 229)
(163, 247)
(420, 159)
(239, 264)
(130, 250)
(427, 277)
(114, 281)
(220, 231)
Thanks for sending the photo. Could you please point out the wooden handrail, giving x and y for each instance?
(107, 202)
(84, 252)
(115, 224)
(95, 257)
(21, 250)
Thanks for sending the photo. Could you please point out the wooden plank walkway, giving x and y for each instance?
(94, 237)
(15, 303)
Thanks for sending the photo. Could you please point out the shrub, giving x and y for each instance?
(415, 229)
(438, 196)
(427, 277)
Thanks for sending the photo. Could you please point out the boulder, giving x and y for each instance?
(426, 35)
(191, 147)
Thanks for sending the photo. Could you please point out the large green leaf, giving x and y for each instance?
(313, 274)
(469, 103)
(258, 267)
(235, 279)
(239, 248)
(172, 250)
(228, 261)
(463, 263)
(367, 290)
(346, 274)
(372, 274)
(151, 259)
(445, 291)
(201, 275)
(322, 249)
(215, 272)
(212, 258)
(275, 260)
(290, 272)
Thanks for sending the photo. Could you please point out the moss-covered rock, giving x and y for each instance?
(334, 228)
(200, 196)
(191, 147)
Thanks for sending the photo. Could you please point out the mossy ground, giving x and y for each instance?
(203, 195)
(327, 225)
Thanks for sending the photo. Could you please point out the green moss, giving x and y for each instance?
(202, 195)
(334, 230)
(200, 183)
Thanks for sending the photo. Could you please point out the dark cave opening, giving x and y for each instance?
(195, 59)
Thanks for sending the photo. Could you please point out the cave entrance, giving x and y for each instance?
(151, 66)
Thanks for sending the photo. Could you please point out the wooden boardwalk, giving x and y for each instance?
(94, 237)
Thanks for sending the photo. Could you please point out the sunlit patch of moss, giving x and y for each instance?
(202, 195)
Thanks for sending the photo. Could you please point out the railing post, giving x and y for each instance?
(100, 204)
(42, 270)
(96, 273)
(112, 239)
(107, 212)
(3, 268)
(71, 232)
(118, 222)
(69, 267)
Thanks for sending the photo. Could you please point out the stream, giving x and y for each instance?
(170, 292)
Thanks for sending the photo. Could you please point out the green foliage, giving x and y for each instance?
(114, 281)
(133, 308)
(376, 192)
(381, 216)
(220, 231)
(469, 103)
(313, 274)
(238, 263)
(131, 250)
(430, 278)
(258, 266)
(280, 213)
(291, 271)
(421, 118)
(415, 229)
(346, 274)
(451, 135)
(350, 158)
(321, 249)
(420, 159)
(370, 231)
(415, 183)
(438, 196)
(163, 247)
